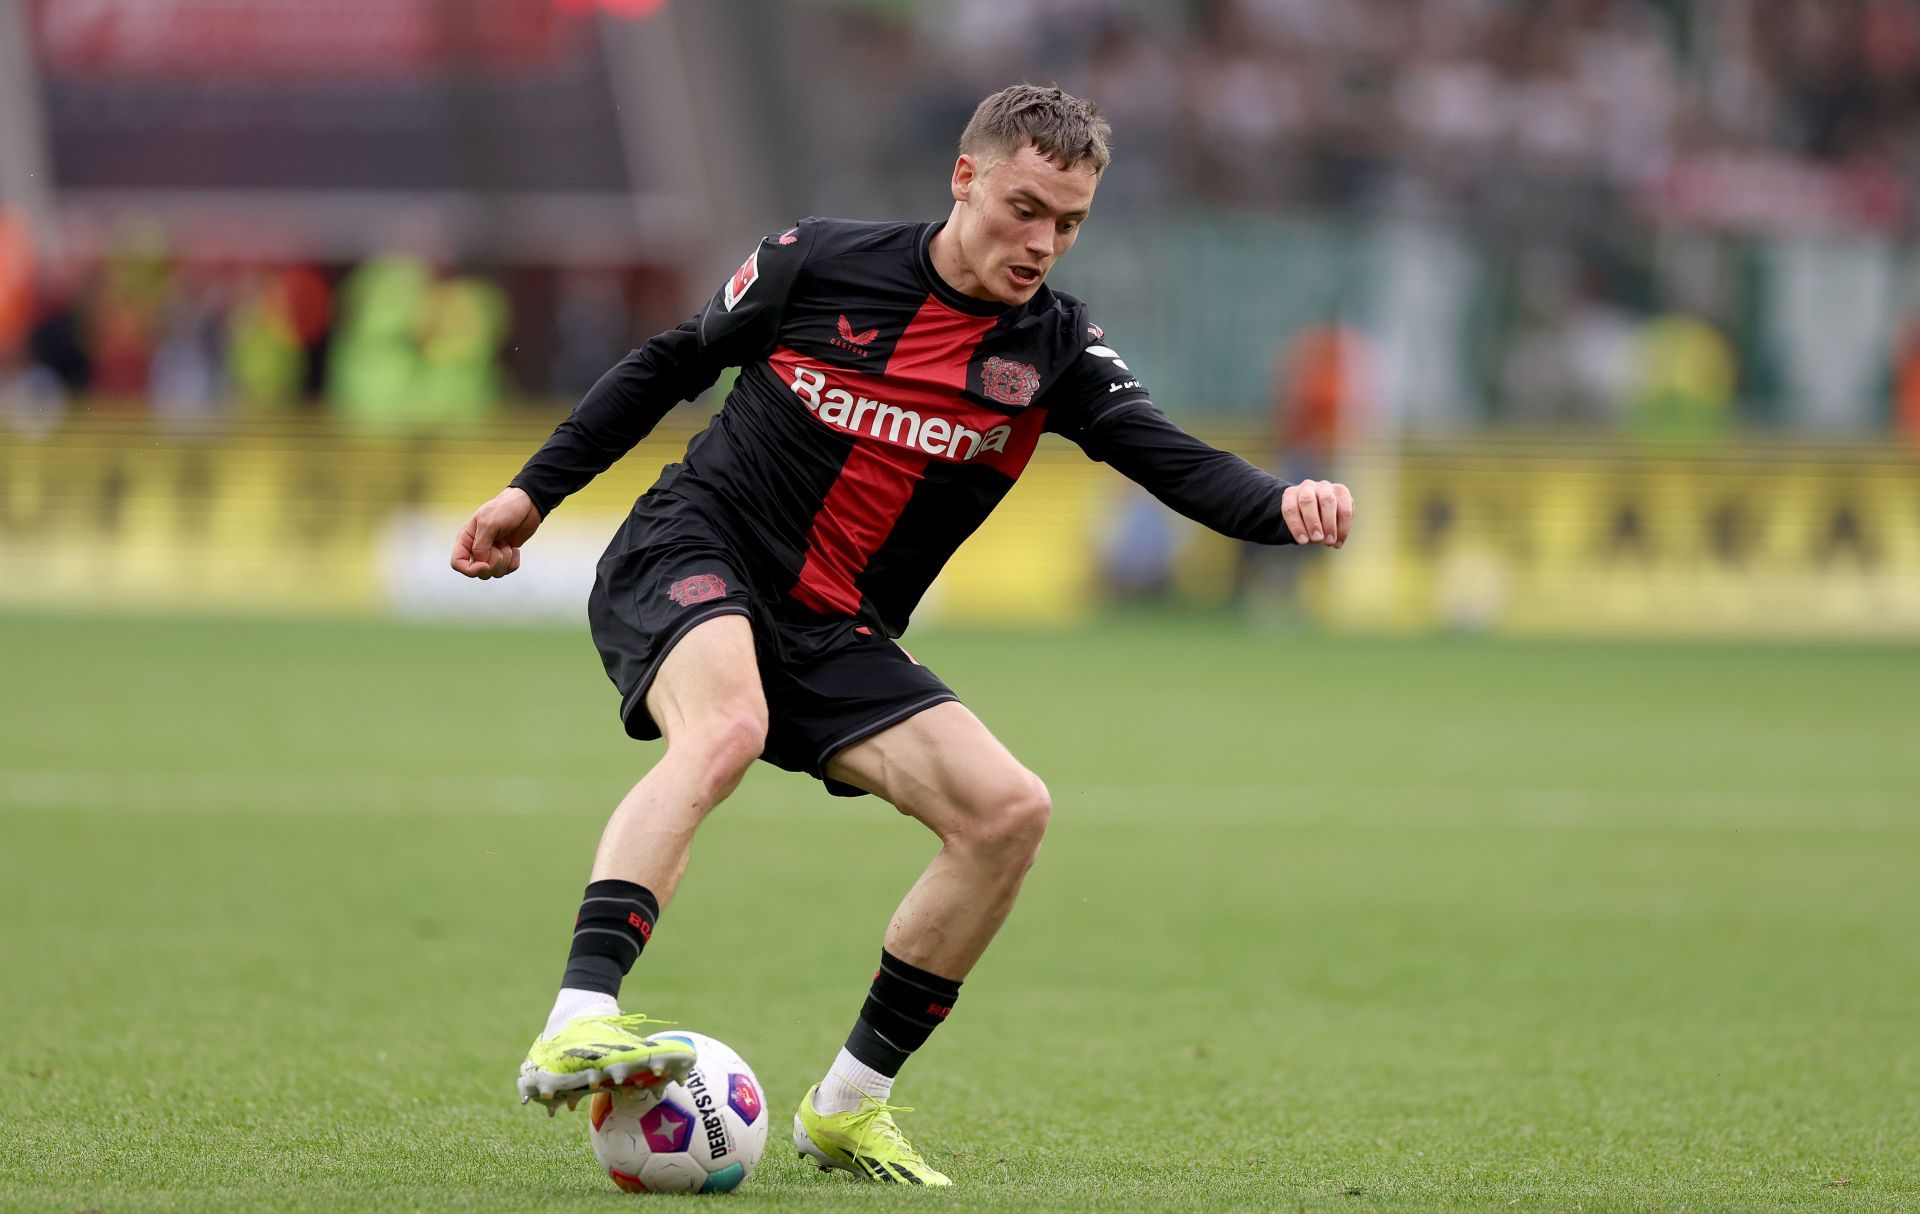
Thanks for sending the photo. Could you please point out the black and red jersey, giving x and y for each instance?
(880, 415)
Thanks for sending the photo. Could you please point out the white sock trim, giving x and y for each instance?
(847, 1082)
(573, 1003)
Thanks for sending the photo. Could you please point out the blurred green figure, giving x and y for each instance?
(410, 353)
(1687, 374)
(276, 321)
(464, 323)
(266, 365)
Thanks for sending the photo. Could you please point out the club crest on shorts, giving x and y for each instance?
(697, 589)
(1009, 382)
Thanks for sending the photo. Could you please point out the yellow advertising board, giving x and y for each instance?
(1580, 540)
(315, 519)
(1568, 539)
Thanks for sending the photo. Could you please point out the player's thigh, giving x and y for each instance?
(710, 682)
(944, 767)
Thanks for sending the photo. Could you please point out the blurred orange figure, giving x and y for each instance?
(16, 283)
(1316, 394)
(1318, 380)
(1906, 384)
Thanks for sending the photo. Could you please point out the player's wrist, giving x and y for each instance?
(516, 495)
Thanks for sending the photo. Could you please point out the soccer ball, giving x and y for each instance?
(701, 1136)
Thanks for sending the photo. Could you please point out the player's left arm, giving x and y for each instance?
(740, 323)
(1103, 407)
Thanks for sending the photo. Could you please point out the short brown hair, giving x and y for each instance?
(1063, 128)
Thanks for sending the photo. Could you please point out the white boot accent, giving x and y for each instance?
(573, 1003)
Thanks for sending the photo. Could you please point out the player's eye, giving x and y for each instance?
(1022, 212)
(1068, 225)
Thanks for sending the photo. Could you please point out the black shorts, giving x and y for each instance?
(829, 682)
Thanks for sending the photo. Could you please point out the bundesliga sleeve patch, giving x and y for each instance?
(744, 277)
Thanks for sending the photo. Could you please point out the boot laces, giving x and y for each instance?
(874, 1119)
(635, 1022)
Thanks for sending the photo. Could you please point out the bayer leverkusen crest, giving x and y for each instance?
(1009, 382)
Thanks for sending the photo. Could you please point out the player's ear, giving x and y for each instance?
(965, 173)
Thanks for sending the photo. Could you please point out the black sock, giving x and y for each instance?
(615, 922)
(902, 1010)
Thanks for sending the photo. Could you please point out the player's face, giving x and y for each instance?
(1015, 218)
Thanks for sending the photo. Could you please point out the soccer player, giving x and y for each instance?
(894, 379)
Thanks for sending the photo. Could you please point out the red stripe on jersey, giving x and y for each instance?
(854, 520)
(934, 351)
(900, 419)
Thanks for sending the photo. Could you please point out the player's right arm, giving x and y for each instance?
(1104, 408)
(738, 325)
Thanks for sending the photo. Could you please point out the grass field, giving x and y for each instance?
(1320, 925)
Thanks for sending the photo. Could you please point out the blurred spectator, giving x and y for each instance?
(1319, 383)
(374, 357)
(464, 322)
(266, 347)
(1906, 383)
(1686, 381)
(1319, 398)
(57, 353)
(31, 395)
(16, 286)
(1138, 550)
(1533, 132)
(395, 346)
(126, 314)
(1139, 80)
(1571, 356)
(1460, 104)
(186, 380)
(412, 352)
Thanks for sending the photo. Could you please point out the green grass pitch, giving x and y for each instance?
(1322, 925)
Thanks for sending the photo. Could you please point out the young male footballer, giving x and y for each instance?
(894, 380)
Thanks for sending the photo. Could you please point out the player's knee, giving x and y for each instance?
(739, 737)
(726, 742)
(1017, 821)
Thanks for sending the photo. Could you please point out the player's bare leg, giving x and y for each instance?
(707, 700)
(944, 768)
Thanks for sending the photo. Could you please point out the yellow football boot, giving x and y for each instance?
(864, 1142)
(595, 1053)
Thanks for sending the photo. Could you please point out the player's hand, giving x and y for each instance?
(1318, 512)
(489, 545)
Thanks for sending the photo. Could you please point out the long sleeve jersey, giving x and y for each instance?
(880, 415)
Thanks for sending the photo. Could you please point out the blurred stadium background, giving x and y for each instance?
(1609, 310)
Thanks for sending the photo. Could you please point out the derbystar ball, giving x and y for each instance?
(701, 1136)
